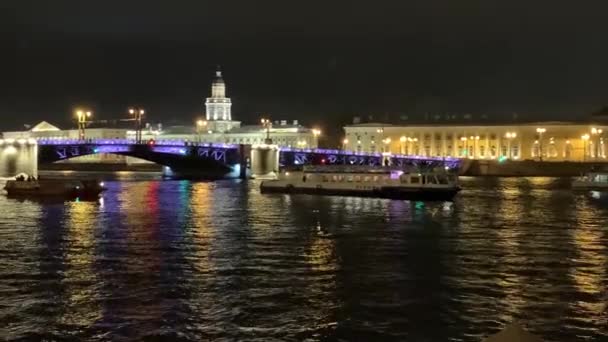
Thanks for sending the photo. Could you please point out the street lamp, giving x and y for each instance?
(344, 143)
(267, 124)
(510, 136)
(585, 137)
(82, 117)
(200, 124)
(387, 143)
(137, 113)
(402, 140)
(598, 132)
(409, 149)
(464, 142)
(540, 132)
(316, 132)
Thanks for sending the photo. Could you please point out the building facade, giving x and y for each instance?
(218, 107)
(548, 141)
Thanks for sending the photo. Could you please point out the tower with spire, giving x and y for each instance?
(218, 105)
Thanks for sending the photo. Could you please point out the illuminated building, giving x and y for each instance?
(218, 107)
(548, 141)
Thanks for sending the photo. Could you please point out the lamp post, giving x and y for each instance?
(267, 124)
(344, 144)
(137, 113)
(402, 140)
(598, 133)
(387, 145)
(540, 132)
(510, 136)
(464, 142)
(585, 137)
(409, 148)
(82, 117)
(200, 124)
(316, 133)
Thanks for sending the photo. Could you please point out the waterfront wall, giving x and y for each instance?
(530, 168)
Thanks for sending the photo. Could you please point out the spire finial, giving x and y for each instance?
(218, 71)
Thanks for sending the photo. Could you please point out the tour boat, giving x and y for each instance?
(24, 186)
(363, 181)
(591, 181)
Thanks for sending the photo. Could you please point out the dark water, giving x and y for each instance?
(186, 261)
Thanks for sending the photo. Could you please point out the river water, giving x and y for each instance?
(193, 261)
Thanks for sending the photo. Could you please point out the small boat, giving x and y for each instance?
(591, 181)
(363, 181)
(25, 186)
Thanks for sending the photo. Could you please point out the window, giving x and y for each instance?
(415, 179)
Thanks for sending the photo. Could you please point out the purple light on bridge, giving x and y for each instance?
(112, 149)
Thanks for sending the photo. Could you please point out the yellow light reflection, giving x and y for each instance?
(80, 279)
(202, 225)
(591, 262)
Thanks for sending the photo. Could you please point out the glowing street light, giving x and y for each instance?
(138, 114)
(402, 140)
(344, 144)
(585, 138)
(387, 143)
(540, 132)
(200, 125)
(510, 136)
(266, 123)
(598, 132)
(82, 117)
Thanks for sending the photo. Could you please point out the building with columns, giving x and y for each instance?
(548, 141)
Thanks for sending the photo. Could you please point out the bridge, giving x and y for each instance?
(223, 160)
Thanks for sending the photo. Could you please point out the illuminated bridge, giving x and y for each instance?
(222, 160)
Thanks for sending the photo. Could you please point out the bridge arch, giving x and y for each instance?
(204, 160)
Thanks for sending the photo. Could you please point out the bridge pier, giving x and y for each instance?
(264, 161)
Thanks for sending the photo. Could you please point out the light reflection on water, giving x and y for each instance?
(199, 261)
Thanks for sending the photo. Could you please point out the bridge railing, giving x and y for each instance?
(364, 154)
(166, 142)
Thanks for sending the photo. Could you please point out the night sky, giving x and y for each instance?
(322, 62)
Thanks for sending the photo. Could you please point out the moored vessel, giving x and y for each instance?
(364, 181)
(25, 186)
(591, 181)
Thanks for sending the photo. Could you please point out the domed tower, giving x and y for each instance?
(218, 105)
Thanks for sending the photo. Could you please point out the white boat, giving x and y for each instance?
(364, 181)
(591, 181)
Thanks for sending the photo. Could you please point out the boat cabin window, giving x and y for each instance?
(601, 178)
